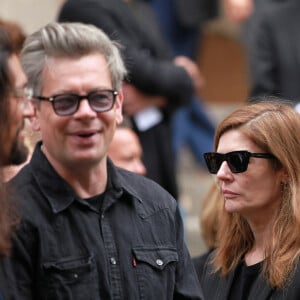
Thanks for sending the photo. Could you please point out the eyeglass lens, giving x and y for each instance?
(68, 104)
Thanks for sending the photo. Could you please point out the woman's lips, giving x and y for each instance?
(229, 194)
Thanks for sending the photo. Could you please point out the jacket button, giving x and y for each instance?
(159, 262)
(113, 261)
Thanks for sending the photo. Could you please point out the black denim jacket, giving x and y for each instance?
(130, 248)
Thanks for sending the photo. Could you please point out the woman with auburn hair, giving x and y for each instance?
(257, 167)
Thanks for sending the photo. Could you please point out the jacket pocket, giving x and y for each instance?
(71, 278)
(155, 271)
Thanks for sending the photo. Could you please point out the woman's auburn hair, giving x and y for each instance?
(274, 126)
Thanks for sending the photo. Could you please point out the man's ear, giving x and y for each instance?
(119, 118)
(118, 105)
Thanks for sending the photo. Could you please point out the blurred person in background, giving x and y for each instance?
(239, 10)
(274, 56)
(272, 45)
(256, 163)
(245, 13)
(15, 106)
(125, 150)
(181, 24)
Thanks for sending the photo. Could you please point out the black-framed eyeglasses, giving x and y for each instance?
(68, 104)
(237, 160)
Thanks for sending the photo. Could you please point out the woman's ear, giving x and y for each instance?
(284, 176)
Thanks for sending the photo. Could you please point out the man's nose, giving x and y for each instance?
(28, 109)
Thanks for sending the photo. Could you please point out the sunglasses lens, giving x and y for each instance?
(237, 161)
(213, 161)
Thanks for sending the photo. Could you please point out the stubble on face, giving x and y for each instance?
(17, 151)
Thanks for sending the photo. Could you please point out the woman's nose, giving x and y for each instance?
(224, 172)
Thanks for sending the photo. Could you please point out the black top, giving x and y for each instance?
(130, 247)
(217, 287)
(243, 280)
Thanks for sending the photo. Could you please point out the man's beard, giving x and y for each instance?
(19, 153)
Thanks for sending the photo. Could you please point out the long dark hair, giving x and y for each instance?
(6, 51)
(6, 212)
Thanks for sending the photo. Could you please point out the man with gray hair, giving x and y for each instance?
(89, 230)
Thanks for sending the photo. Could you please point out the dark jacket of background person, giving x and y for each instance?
(182, 22)
(274, 54)
(147, 240)
(193, 13)
(150, 70)
(149, 64)
(217, 287)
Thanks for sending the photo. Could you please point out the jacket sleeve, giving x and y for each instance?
(150, 74)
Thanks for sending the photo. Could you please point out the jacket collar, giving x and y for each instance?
(60, 194)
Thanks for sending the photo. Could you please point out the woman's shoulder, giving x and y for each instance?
(199, 263)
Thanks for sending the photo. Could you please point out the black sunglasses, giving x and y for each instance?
(68, 104)
(237, 160)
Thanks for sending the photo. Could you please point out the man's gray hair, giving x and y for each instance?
(71, 40)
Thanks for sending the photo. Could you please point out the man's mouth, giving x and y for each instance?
(86, 135)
